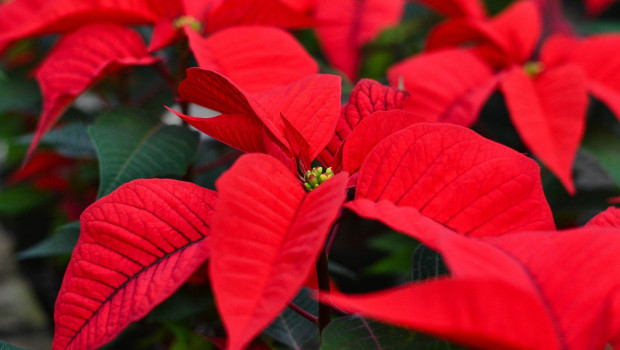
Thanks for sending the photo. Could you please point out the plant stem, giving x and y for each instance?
(323, 277)
(305, 314)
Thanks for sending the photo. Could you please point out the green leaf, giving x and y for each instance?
(603, 144)
(358, 333)
(398, 249)
(18, 93)
(21, 198)
(294, 330)
(71, 141)
(7, 346)
(131, 146)
(61, 242)
(427, 263)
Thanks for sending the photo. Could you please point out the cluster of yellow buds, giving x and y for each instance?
(187, 20)
(313, 178)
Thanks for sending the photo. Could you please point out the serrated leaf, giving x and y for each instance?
(294, 330)
(132, 146)
(358, 333)
(61, 242)
(136, 247)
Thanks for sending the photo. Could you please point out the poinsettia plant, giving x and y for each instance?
(225, 174)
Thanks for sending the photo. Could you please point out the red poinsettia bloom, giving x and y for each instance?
(547, 98)
(596, 7)
(246, 54)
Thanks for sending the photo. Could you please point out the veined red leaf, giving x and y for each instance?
(447, 85)
(256, 12)
(267, 234)
(596, 7)
(78, 61)
(557, 49)
(598, 58)
(549, 113)
(370, 131)
(137, 246)
(457, 8)
(66, 15)
(345, 26)
(548, 274)
(255, 58)
(367, 97)
(310, 104)
(608, 218)
(458, 178)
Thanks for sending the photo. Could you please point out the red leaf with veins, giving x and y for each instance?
(256, 12)
(367, 97)
(608, 218)
(267, 234)
(549, 113)
(78, 61)
(457, 8)
(310, 104)
(460, 179)
(255, 58)
(136, 247)
(547, 274)
(598, 57)
(370, 131)
(346, 25)
(441, 90)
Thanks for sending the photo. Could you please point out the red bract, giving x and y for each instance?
(456, 8)
(346, 25)
(547, 99)
(136, 247)
(78, 61)
(267, 234)
(607, 218)
(449, 173)
(367, 97)
(531, 290)
(255, 122)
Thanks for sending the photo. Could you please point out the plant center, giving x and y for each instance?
(313, 178)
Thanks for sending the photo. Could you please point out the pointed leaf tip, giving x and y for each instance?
(267, 235)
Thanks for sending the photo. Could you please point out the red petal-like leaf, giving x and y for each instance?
(598, 57)
(255, 58)
(554, 268)
(367, 97)
(347, 25)
(464, 311)
(310, 104)
(549, 112)
(256, 12)
(457, 8)
(78, 61)
(557, 49)
(370, 131)
(136, 247)
(460, 179)
(608, 218)
(267, 234)
(596, 7)
(67, 15)
(448, 85)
